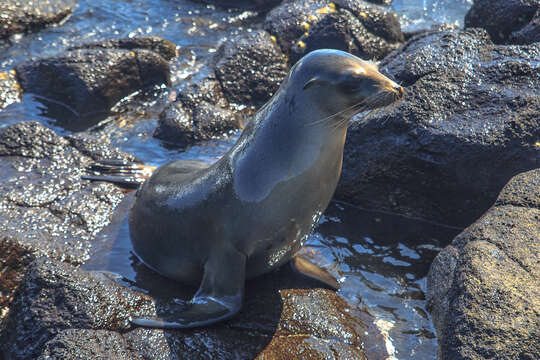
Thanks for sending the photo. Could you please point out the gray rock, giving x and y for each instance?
(483, 288)
(366, 30)
(45, 208)
(64, 312)
(501, 18)
(469, 123)
(246, 71)
(22, 16)
(90, 81)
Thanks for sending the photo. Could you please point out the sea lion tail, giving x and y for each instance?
(121, 172)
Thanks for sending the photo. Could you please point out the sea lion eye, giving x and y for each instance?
(314, 81)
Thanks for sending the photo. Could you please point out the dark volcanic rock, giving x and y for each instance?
(90, 81)
(247, 70)
(45, 208)
(483, 289)
(263, 5)
(366, 30)
(469, 122)
(163, 47)
(10, 90)
(200, 112)
(260, 5)
(250, 68)
(87, 344)
(528, 34)
(64, 312)
(26, 16)
(55, 297)
(381, 2)
(501, 18)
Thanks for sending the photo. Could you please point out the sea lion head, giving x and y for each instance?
(340, 84)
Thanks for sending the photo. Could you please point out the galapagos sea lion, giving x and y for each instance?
(248, 213)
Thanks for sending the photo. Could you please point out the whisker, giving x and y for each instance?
(373, 104)
(333, 115)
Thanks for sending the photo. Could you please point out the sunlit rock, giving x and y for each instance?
(483, 288)
(468, 123)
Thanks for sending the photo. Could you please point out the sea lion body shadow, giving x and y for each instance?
(252, 210)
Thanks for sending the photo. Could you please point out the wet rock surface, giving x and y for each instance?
(333, 329)
(260, 5)
(10, 90)
(164, 48)
(246, 71)
(21, 16)
(469, 123)
(56, 297)
(483, 288)
(87, 82)
(46, 209)
(366, 30)
(58, 305)
(506, 21)
(200, 112)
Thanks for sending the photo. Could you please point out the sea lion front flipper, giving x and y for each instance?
(309, 269)
(219, 297)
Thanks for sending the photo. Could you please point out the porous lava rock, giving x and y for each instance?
(483, 289)
(245, 72)
(361, 28)
(10, 90)
(45, 207)
(506, 21)
(468, 123)
(250, 68)
(89, 80)
(22, 16)
(58, 305)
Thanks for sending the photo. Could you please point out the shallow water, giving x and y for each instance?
(383, 259)
(421, 14)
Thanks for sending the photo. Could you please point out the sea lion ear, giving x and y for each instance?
(314, 81)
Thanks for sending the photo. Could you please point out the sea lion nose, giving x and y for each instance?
(399, 90)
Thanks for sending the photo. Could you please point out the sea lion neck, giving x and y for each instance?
(275, 150)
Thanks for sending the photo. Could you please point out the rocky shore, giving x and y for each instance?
(483, 288)
(462, 149)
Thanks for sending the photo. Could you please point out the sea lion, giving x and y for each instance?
(249, 212)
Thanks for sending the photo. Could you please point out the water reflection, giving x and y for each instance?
(384, 259)
(423, 14)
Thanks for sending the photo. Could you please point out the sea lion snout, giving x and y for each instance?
(391, 86)
(400, 91)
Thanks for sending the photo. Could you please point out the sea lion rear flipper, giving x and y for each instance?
(219, 297)
(127, 174)
(309, 269)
